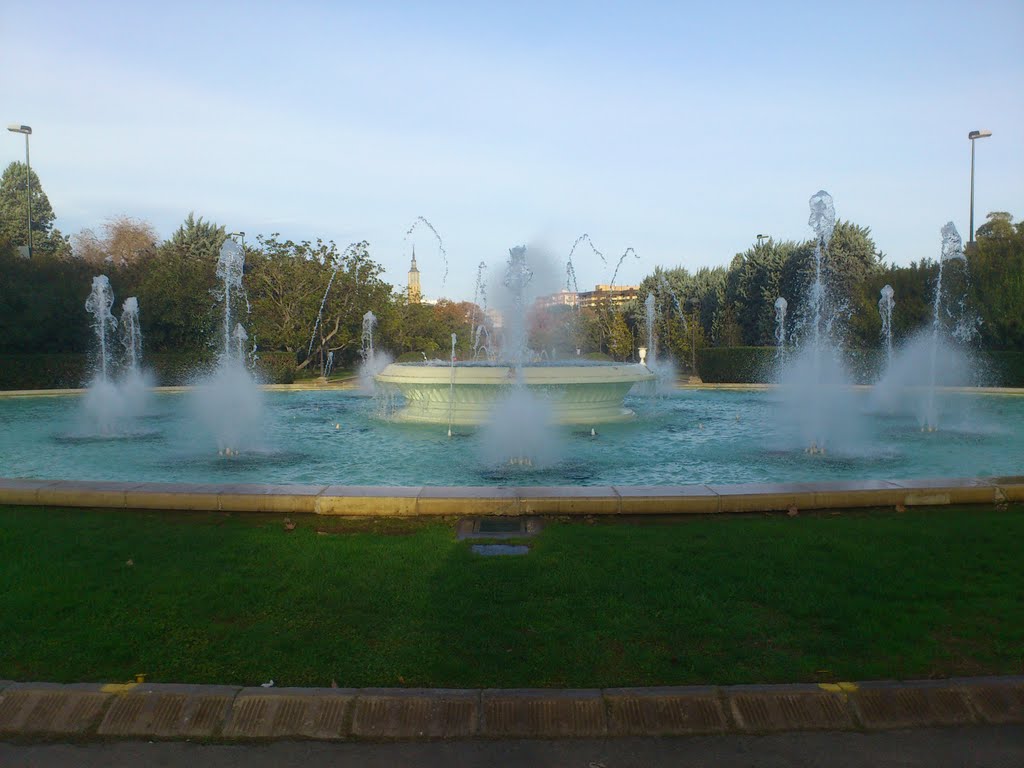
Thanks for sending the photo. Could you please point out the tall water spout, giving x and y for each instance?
(451, 388)
(885, 305)
(952, 250)
(519, 431)
(104, 324)
(780, 328)
(823, 222)
(240, 338)
(652, 355)
(815, 392)
(131, 335)
(230, 267)
(372, 360)
(478, 324)
(369, 324)
(229, 403)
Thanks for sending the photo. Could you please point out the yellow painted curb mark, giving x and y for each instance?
(118, 687)
(848, 687)
(832, 687)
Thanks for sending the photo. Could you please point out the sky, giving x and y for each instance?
(679, 129)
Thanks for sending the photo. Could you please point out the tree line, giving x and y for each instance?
(42, 298)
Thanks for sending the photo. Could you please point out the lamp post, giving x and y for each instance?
(27, 130)
(762, 237)
(972, 136)
(239, 234)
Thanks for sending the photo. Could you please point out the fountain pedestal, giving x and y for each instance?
(578, 394)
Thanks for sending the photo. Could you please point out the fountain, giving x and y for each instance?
(780, 329)
(815, 396)
(228, 402)
(116, 395)
(104, 324)
(885, 305)
(467, 393)
(952, 251)
(652, 354)
(371, 360)
(131, 335)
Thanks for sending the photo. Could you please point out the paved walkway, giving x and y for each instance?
(224, 713)
(963, 747)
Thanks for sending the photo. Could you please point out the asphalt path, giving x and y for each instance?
(964, 747)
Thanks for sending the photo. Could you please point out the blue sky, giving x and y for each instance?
(681, 129)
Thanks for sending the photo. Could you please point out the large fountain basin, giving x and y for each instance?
(465, 394)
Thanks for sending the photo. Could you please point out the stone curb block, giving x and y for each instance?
(383, 713)
(169, 711)
(51, 709)
(884, 705)
(686, 711)
(537, 713)
(995, 700)
(763, 709)
(269, 713)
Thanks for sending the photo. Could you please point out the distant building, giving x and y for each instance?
(602, 295)
(415, 293)
(561, 299)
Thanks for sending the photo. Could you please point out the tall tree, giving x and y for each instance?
(176, 288)
(14, 206)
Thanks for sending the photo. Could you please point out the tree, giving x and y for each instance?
(620, 339)
(286, 281)
(996, 264)
(352, 288)
(124, 241)
(14, 209)
(176, 288)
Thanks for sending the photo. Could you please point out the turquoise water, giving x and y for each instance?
(685, 437)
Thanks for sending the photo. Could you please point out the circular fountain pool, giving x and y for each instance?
(682, 438)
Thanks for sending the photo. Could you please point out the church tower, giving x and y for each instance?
(415, 295)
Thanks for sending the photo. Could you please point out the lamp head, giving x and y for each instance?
(15, 128)
(978, 135)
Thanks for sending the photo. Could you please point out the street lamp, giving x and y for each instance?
(762, 237)
(239, 234)
(27, 130)
(972, 136)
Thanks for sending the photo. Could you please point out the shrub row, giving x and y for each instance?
(757, 365)
(71, 370)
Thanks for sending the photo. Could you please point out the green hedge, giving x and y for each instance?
(69, 370)
(756, 365)
(736, 365)
(1006, 369)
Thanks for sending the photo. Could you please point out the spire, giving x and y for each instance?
(415, 296)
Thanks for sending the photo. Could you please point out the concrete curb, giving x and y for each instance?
(438, 501)
(225, 713)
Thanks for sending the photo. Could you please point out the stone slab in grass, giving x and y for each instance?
(535, 713)
(686, 711)
(416, 714)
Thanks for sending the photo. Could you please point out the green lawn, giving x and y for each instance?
(238, 599)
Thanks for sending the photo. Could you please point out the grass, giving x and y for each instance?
(216, 598)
